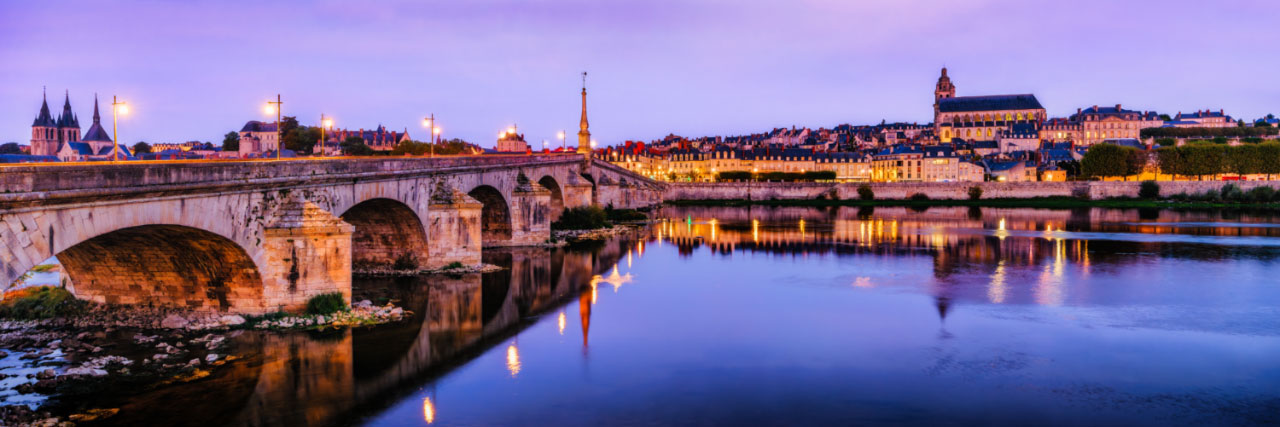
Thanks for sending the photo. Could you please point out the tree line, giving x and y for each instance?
(1198, 160)
(1202, 132)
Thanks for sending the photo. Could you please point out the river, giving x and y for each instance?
(799, 316)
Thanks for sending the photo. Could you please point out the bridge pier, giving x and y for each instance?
(306, 252)
(576, 191)
(530, 213)
(453, 228)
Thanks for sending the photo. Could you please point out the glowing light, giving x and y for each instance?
(122, 108)
(269, 109)
(428, 410)
(862, 282)
(560, 135)
(511, 130)
(755, 230)
(615, 279)
(1001, 231)
(327, 123)
(560, 322)
(995, 291)
(513, 359)
(435, 130)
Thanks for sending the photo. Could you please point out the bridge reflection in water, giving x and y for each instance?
(323, 378)
(956, 255)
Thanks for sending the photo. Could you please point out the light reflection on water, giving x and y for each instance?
(751, 316)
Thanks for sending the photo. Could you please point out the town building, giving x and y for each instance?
(379, 138)
(258, 137)
(509, 141)
(1100, 123)
(1204, 119)
(980, 117)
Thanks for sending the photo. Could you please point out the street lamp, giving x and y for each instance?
(325, 123)
(279, 138)
(436, 132)
(430, 123)
(562, 146)
(117, 108)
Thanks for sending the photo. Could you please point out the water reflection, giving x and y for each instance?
(330, 377)
(879, 284)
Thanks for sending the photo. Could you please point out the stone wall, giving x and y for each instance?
(935, 190)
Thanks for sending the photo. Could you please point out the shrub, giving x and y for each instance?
(624, 215)
(1261, 194)
(326, 303)
(975, 192)
(1149, 190)
(1232, 193)
(919, 197)
(582, 218)
(1210, 195)
(40, 302)
(865, 193)
(406, 261)
(453, 266)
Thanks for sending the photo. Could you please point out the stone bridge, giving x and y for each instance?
(258, 236)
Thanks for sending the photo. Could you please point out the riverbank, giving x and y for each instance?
(1034, 202)
(46, 363)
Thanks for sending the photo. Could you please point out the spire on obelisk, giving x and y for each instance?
(584, 135)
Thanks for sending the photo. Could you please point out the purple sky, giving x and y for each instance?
(198, 69)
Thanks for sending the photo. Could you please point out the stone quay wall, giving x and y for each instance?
(935, 190)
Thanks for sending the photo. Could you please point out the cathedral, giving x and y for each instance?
(61, 137)
(982, 117)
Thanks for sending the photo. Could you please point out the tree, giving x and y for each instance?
(354, 146)
(1111, 160)
(10, 148)
(1243, 159)
(411, 147)
(301, 139)
(1171, 161)
(1203, 159)
(1269, 158)
(1166, 118)
(231, 142)
(141, 147)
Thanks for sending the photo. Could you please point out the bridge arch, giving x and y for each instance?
(387, 233)
(557, 196)
(164, 265)
(495, 215)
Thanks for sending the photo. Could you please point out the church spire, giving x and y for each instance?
(44, 119)
(584, 135)
(96, 117)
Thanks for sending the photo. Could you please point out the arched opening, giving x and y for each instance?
(557, 198)
(164, 265)
(592, 180)
(495, 215)
(387, 234)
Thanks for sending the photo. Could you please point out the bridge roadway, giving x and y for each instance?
(258, 236)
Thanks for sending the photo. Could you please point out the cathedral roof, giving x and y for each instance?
(67, 118)
(96, 133)
(44, 119)
(989, 103)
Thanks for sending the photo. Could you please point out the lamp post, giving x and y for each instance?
(117, 108)
(279, 136)
(325, 123)
(430, 123)
(561, 135)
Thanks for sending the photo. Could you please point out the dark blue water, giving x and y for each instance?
(800, 316)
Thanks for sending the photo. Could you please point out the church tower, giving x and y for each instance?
(44, 132)
(584, 135)
(68, 124)
(96, 136)
(943, 90)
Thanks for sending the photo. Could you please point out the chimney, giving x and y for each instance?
(1117, 108)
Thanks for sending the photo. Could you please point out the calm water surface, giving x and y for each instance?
(795, 316)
